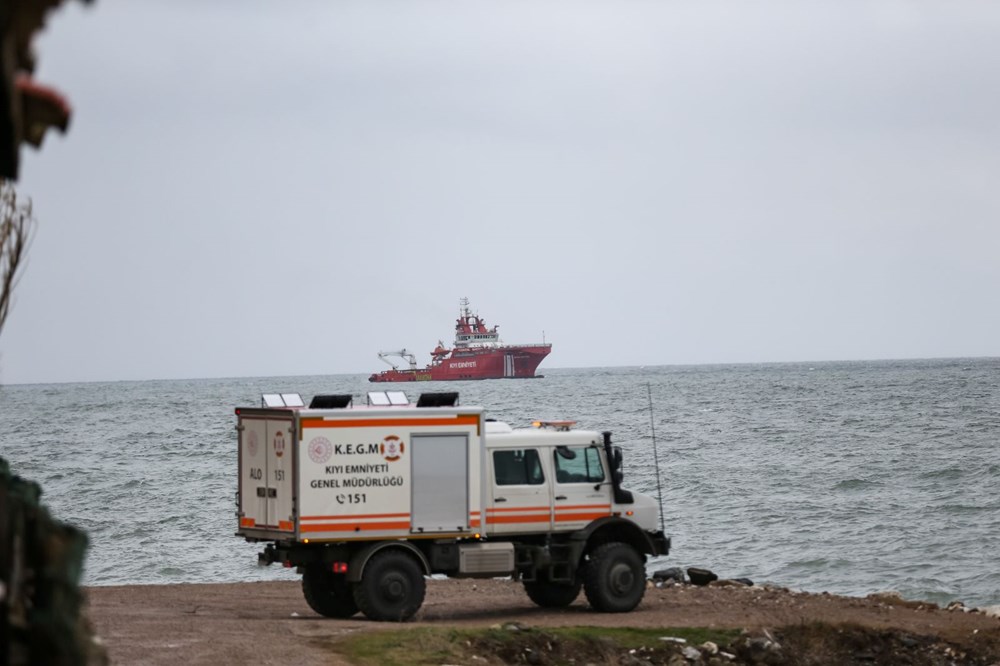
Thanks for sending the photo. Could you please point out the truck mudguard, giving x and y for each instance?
(613, 528)
(356, 566)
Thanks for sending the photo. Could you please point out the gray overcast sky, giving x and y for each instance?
(279, 188)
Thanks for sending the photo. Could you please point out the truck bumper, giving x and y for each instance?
(661, 543)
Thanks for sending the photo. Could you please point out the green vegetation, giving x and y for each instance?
(510, 644)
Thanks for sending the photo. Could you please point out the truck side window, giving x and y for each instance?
(585, 467)
(518, 468)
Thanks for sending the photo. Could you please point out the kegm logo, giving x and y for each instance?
(320, 450)
(392, 448)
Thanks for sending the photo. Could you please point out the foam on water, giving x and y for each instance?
(845, 477)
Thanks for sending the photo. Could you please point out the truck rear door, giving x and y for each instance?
(266, 471)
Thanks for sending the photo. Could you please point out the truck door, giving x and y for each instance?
(581, 491)
(281, 436)
(266, 473)
(519, 494)
(440, 465)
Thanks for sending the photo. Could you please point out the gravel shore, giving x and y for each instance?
(270, 623)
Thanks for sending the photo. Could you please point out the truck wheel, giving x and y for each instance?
(392, 587)
(327, 593)
(552, 595)
(614, 578)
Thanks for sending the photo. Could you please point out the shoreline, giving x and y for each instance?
(270, 622)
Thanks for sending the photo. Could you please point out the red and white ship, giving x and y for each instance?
(478, 354)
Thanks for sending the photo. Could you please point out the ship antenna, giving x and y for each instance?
(656, 460)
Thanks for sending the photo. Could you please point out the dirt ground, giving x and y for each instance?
(270, 623)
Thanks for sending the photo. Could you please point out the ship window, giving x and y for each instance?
(584, 467)
(518, 468)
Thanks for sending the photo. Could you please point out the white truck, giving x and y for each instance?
(367, 501)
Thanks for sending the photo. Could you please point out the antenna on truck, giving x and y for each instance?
(656, 459)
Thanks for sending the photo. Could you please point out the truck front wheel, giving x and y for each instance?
(614, 578)
(392, 587)
(552, 595)
(327, 593)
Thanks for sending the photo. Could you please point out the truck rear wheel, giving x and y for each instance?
(614, 578)
(392, 587)
(552, 595)
(327, 593)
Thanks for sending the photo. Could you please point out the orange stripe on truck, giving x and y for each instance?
(513, 518)
(355, 527)
(247, 522)
(569, 517)
(604, 507)
(358, 515)
(462, 419)
(286, 525)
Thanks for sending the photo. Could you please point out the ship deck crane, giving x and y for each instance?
(402, 353)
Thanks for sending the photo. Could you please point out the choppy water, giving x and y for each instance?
(845, 477)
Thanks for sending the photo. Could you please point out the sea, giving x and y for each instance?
(841, 477)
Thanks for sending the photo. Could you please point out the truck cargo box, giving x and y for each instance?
(315, 475)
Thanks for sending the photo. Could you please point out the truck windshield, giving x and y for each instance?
(585, 467)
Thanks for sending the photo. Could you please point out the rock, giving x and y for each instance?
(671, 574)
(992, 611)
(887, 597)
(701, 576)
(757, 647)
(727, 582)
(691, 653)
(745, 581)
(710, 647)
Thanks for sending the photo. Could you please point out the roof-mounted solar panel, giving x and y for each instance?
(271, 400)
(281, 400)
(292, 400)
(397, 398)
(438, 399)
(378, 399)
(332, 401)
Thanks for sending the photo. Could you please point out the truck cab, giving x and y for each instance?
(554, 479)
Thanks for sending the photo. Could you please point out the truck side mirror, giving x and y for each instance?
(566, 452)
(616, 463)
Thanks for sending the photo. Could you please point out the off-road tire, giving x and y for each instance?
(614, 578)
(327, 593)
(392, 587)
(552, 595)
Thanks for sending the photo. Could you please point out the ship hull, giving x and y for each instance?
(513, 361)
